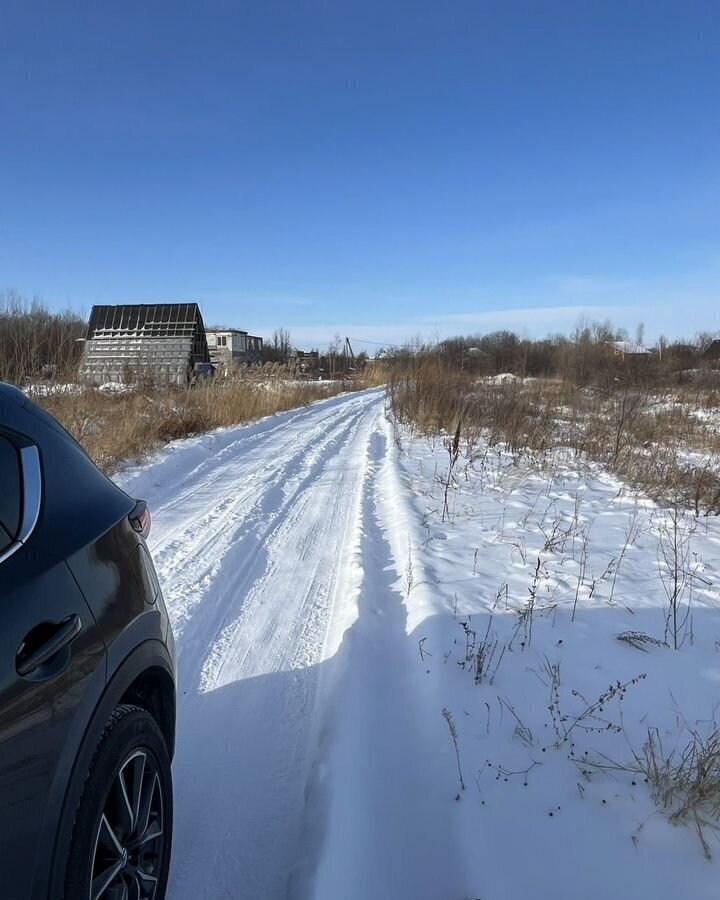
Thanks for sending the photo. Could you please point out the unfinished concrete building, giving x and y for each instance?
(160, 341)
(228, 348)
(232, 347)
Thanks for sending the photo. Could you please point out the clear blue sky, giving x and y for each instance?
(381, 169)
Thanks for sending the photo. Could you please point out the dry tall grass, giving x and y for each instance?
(686, 780)
(119, 426)
(665, 439)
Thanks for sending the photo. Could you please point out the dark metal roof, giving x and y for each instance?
(145, 320)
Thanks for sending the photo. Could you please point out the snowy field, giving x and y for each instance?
(393, 690)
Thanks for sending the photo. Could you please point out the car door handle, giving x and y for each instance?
(61, 636)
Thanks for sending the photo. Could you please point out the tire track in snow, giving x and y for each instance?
(220, 477)
(254, 583)
(371, 797)
(255, 575)
(236, 505)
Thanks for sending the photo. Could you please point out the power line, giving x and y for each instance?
(375, 343)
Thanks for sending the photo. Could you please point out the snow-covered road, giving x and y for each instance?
(255, 532)
(383, 699)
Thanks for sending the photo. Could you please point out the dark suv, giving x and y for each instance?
(87, 676)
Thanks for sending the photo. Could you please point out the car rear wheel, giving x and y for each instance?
(122, 834)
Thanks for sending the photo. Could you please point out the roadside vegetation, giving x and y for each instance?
(40, 353)
(654, 422)
(117, 426)
(569, 501)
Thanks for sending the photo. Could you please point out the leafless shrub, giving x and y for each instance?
(526, 614)
(590, 716)
(557, 537)
(482, 657)
(452, 445)
(627, 408)
(675, 532)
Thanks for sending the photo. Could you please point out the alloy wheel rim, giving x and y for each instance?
(129, 844)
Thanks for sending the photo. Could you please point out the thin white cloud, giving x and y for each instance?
(530, 317)
(590, 286)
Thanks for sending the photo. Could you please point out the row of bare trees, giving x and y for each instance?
(34, 341)
(584, 357)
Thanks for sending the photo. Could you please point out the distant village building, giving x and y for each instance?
(227, 347)
(163, 341)
(628, 350)
(712, 352)
(304, 361)
(232, 347)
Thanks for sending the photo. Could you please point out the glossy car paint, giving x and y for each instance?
(84, 559)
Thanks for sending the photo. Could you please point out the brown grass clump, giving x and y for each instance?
(686, 781)
(118, 426)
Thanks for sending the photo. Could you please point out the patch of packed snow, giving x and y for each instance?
(50, 388)
(116, 387)
(503, 378)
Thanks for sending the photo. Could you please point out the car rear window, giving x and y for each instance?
(10, 493)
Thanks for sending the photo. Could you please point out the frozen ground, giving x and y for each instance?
(326, 616)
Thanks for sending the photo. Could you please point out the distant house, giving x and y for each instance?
(228, 347)
(163, 341)
(712, 352)
(232, 347)
(305, 361)
(628, 350)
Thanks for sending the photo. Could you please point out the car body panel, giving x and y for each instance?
(81, 558)
(79, 502)
(38, 713)
(111, 574)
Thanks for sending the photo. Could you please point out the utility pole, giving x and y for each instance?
(348, 354)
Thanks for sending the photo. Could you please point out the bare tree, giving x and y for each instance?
(279, 347)
(36, 342)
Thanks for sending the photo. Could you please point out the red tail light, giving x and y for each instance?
(140, 518)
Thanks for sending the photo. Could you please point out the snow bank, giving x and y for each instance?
(505, 670)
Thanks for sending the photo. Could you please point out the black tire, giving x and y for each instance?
(123, 822)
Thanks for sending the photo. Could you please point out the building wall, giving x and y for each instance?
(232, 341)
(130, 359)
(229, 349)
